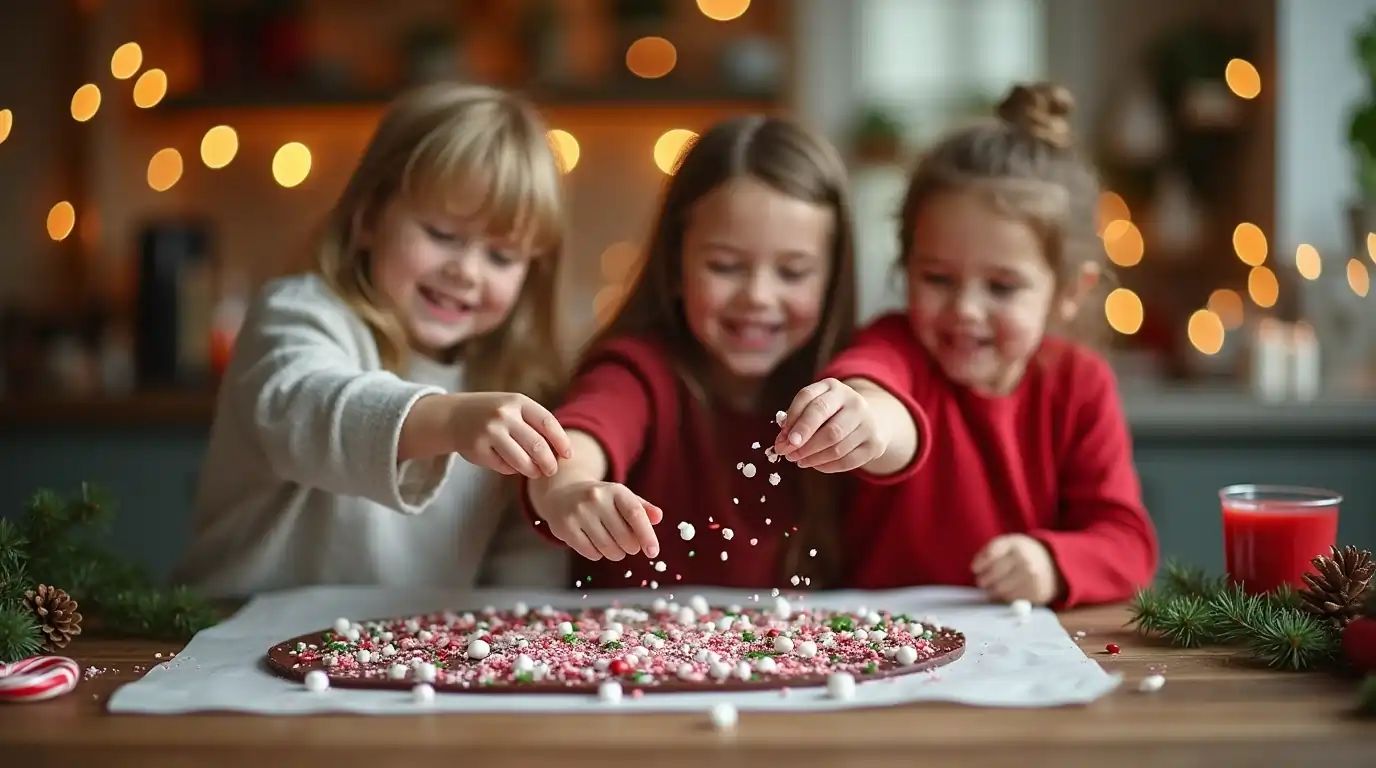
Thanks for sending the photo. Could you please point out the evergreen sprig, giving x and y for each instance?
(1189, 608)
(59, 541)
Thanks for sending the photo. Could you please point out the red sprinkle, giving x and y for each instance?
(773, 633)
(1112, 648)
(618, 667)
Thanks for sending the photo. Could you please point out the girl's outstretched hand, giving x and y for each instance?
(599, 519)
(507, 433)
(830, 427)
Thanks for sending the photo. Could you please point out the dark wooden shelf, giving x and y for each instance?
(647, 93)
(136, 410)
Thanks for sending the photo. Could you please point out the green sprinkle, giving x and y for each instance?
(760, 654)
(748, 637)
(835, 659)
(927, 635)
(336, 647)
(661, 634)
(525, 677)
(841, 624)
(871, 668)
(571, 638)
(877, 625)
(904, 618)
(874, 646)
(574, 624)
(643, 677)
(614, 645)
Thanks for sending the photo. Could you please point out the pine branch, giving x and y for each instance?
(1147, 609)
(20, 636)
(1187, 581)
(1236, 614)
(1294, 640)
(1188, 622)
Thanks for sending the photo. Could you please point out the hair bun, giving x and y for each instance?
(1041, 109)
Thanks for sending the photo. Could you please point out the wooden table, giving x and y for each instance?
(1214, 711)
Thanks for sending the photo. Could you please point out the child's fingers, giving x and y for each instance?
(997, 571)
(496, 463)
(580, 543)
(655, 514)
(1009, 588)
(857, 457)
(633, 512)
(613, 520)
(993, 551)
(600, 538)
(515, 456)
(536, 448)
(544, 423)
(795, 410)
(838, 433)
(802, 428)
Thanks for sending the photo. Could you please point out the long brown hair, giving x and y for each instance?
(1026, 165)
(436, 143)
(785, 156)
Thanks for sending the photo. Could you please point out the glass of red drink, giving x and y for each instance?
(1271, 532)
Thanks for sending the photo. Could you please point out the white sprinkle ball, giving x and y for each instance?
(1080, 633)
(426, 672)
(423, 693)
(755, 445)
(748, 470)
(1022, 608)
(841, 686)
(724, 716)
(878, 635)
(425, 636)
(609, 691)
(520, 609)
(1151, 683)
(807, 649)
(364, 656)
(608, 636)
(396, 671)
(774, 478)
(317, 681)
(687, 616)
(686, 531)
(659, 605)
(478, 649)
(699, 604)
(723, 556)
(735, 500)
(728, 534)
(766, 521)
(765, 664)
(907, 655)
(743, 670)
(565, 627)
(780, 417)
(523, 663)
(761, 499)
(660, 567)
(740, 464)
(782, 608)
(341, 626)
(783, 644)
(352, 635)
(753, 542)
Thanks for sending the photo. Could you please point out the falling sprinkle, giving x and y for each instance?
(774, 592)
(774, 478)
(794, 580)
(740, 464)
(661, 567)
(723, 556)
(578, 584)
(728, 534)
(753, 542)
(735, 500)
(761, 499)
(628, 574)
(654, 585)
(812, 553)
(691, 553)
(780, 417)
(755, 445)
(748, 470)
(766, 521)
(686, 531)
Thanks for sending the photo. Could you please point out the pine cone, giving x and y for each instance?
(1338, 590)
(56, 614)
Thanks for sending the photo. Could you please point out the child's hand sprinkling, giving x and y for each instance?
(831, 428)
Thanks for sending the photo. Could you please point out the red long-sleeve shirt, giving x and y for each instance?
(1052, 459)
(673, 451)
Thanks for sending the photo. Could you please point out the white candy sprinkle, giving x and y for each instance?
(755, 445)
(609, 691)
(478, 649)
(659, 605)
(724, 716)
(425, 672)
(396, 671)
(1151, 683)
(907, 655)
(782, 608)
(861, 635)
(740, 464)
(779, 417)
(841, 686)
(520, 609)
(723, 556)
(878, 635)
(735, 500)
(748, 470)
(794, 580)
(812, 553)
(341, 626)
(523, 663)
(699, 604)
(685, 671)
(774, 478)
(608, 636)
(352, 635)
(565, 627)
(686, 531)
(765, 664)
(364, 656)
(654, 585)
(783, 644)
(317, 681)
(720, 670)
(724, 623)
(423, 693)
(687, 616)
(743, 670)
(728, 534)
(1021, 608)
(660, 567)
(425, 636)
(807, 649)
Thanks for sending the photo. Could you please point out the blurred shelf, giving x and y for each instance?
(152, 409)
(632, 95)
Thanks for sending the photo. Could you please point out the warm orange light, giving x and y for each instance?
(723, 10)
(1227, 304)
(1307, 262)
(1371, 245)
(219, 146)
(1263, 287)
(1206, 332)
(6, 124)
(61, 221)
(85, 102)
(1112, 207)
(126, 60)
(165, 169)
(1243, 78)
(671, 146)
(1123, 243)
(150, 88)
(1249, 243)
(618, 260)
(607, 302)
(566, 149)
(1123, 310)
(1358, 278)
(291, 164)
(651, 57)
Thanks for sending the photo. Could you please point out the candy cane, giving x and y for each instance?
(38, 678)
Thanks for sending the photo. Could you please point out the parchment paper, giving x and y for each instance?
(1007, 663)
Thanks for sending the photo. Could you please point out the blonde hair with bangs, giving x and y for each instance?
(439, 145)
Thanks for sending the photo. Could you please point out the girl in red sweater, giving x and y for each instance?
(746, 290)
(1023, 483)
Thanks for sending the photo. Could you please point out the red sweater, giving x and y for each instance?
(667, 447)
(1052, 459)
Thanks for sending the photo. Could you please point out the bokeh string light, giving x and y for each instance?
(1124, 312)
(1263, 287)
(723, 10)
(6, 124)
(1308, 262)
(671, 146)
(126, 60)
(85, 102)
(566, 149)
(1358, 277)
(1242, 78)
(1206, 332)
(1249, 243)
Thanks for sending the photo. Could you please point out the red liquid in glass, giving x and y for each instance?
(1267, 548)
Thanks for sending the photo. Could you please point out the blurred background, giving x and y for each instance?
(161, 158)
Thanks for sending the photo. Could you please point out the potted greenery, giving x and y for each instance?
(877, 137)
(1361, 137)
